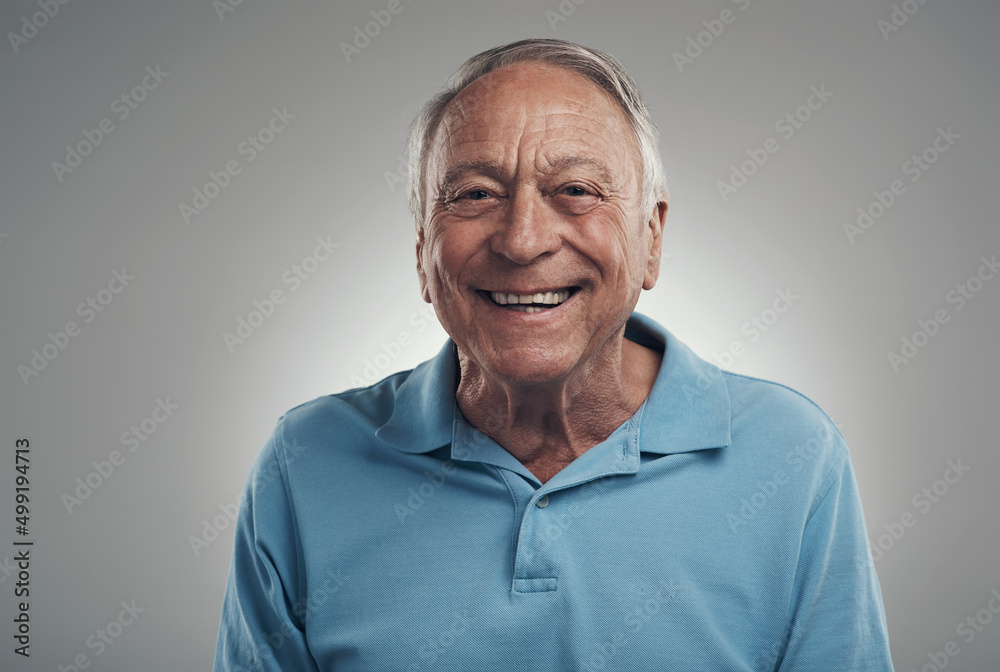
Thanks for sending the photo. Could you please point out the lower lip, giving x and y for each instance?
(519, 315)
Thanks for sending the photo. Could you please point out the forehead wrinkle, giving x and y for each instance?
(475, 117)
(601, 127)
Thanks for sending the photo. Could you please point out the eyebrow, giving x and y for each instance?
(456, 172)
(494, 170)
(567, 162)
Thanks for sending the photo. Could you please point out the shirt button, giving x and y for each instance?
(543, 502)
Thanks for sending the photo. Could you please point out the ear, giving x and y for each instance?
(421, 274)
(656, 221)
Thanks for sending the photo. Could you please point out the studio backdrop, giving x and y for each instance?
(204, 224)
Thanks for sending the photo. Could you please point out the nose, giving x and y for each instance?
(528, 228)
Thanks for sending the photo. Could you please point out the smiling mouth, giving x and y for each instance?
(531, 303)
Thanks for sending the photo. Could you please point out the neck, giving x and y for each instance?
(548, 425)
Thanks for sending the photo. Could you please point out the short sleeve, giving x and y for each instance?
(261, 627)
(836, 616)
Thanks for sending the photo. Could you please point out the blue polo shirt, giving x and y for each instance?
(719, 528)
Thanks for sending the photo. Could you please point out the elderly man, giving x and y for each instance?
(565, 486)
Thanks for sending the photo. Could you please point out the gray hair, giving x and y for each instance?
(602, 69)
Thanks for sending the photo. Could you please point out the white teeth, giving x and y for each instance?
(523, 301)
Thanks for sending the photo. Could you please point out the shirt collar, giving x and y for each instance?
(687, 409)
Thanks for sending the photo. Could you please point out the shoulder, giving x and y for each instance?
(359, 408)
(782, 406)
(775, 425)
(334, 424)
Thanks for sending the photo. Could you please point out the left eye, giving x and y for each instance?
(478, 195)
(575, 191)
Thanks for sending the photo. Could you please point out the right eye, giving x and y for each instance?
(473, 202)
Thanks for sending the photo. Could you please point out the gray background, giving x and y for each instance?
(333, 171)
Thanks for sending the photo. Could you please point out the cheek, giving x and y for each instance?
(612, 245)
(447, 255)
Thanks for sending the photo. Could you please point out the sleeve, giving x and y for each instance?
(836, 616)
(261, 628)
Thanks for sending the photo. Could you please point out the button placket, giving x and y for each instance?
(536, 568)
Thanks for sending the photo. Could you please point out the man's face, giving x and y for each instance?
(533, 188)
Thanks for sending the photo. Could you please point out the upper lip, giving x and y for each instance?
(551, 288)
